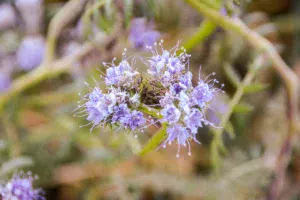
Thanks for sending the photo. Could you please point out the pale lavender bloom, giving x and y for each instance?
(174, 65)
(179, 134)
(121, 75)
(114, 107)
(202, 94)
(31, 52)
(94, 114)
(170, 114)
(185, 81)
(133, 120)
(193, 120)
(120, 112)
(142, 33)
(184, 102)
(20, 187)
(217, 107)
(166, 66)
(7, 16)
(5, 81)
(166, 100)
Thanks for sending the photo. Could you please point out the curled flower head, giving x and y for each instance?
(20, 187)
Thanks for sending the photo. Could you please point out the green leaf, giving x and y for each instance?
(155, 140)
(242, 108)
(232, 75)
(255, 87)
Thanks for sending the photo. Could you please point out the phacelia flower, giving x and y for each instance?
(31, 52)
(181, 135)
(7, 16)
(142, 33)
(120, 75)
(170, 114)
(167, 86)
(133, 120)
(118, 104)
(5, 81)
(20, 187)
(183, 105)
(167, 67)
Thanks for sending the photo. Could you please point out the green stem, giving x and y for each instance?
(155, 141)
(49, 70)
(217, 140)
(205, 30)
(150, 111)
(59, 21)
(87, 16)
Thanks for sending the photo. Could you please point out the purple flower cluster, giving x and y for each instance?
(119, 104)
(180, 105)
(20, 187)
(183, 105)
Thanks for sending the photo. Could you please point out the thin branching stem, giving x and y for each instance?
(217, 141)
(59, 21)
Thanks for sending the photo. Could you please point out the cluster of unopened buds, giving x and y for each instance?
(166, 91)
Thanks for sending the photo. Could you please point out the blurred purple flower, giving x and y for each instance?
(31, 52)
(32, 13)
(217, 107)
(20, 187)
(142, 33)
(7, 16)
(5, 81)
